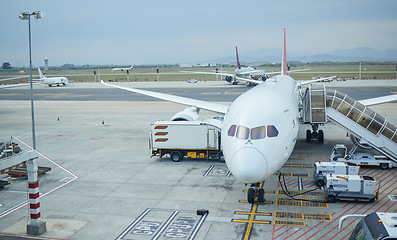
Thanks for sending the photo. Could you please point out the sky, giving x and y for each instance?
(126, 32)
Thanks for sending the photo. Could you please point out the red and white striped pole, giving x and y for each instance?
(36, 226)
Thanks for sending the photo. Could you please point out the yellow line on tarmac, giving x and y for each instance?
(247, 221)
(262, 214)
(250, 221)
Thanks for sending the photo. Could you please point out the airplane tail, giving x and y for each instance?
(238, 61)
(132, 66)
(284, 67)
(41, 74)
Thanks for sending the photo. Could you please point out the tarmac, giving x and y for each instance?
(103, 183)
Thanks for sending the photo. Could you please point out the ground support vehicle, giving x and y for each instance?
(339, 153)
(322, 169)
(377, 225)
(351, 188)
(194, 139)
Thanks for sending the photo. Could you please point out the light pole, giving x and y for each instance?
(36, 226)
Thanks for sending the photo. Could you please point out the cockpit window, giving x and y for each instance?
(272, 131)
(242, 132)
(231, 131)
(258, 132)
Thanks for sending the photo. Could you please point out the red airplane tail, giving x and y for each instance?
(238, 61)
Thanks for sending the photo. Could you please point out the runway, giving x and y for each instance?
(220, 92)
(104, 184)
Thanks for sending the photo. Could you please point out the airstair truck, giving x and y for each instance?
(351, 188)
(339, 153)
(194, 139)
(322, 169)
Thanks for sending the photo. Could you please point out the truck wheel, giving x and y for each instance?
(220, 157)
(176, 156)
(384, 166)
(331, 198)
(251, 195)
(308, 136)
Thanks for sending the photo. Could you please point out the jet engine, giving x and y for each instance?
(189, 114)
(229, 79)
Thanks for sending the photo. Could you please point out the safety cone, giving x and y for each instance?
(347, 134)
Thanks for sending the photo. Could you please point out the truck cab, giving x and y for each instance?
(377, 225)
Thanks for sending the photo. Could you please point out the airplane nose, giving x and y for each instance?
(249, 165)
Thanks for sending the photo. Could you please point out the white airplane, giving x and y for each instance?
(241, 73)
(123, 69)
(259, 128)
(52, 80)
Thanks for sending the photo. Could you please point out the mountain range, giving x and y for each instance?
(274, 56)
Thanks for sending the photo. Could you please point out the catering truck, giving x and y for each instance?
(193, 139)
(351, 188)
(322, 169)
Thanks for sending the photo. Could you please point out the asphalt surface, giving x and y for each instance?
(214, 94)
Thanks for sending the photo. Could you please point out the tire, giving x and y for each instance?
(251, 195)
(261, 195)
(331, 198)
(308, 136)
(384, 166)
(176, 156)
(220, 157)
(320, 136)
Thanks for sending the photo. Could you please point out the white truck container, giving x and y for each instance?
(339, 153)
(351, 188)
(194, 139)
(322, 169)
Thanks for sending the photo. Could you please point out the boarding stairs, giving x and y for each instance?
(12, 157)
(321, 105)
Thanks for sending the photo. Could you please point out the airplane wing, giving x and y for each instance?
(378, 100)
(15, 85)
(297, 70)
(260, 72)
(249, 80)
(315, 80)
(214, 107)
(213, 73)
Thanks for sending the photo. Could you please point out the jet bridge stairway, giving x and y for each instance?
(321, 105)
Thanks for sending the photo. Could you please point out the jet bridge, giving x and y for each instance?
(321, 105)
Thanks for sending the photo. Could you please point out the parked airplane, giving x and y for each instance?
(259, 128)
(241, 73)
(52, 80)
(123, 69)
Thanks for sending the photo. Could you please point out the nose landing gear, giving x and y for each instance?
(257, 192)
(317, 135)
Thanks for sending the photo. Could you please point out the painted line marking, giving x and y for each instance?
(303, 216)
(26, 202)
(178, 224)
(289, 223)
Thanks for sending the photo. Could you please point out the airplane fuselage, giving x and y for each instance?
(260, 129)
(55, 81)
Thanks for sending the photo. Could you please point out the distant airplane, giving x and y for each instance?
(241, 73)
(259, 129)
(53, 80)
(123, 69)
